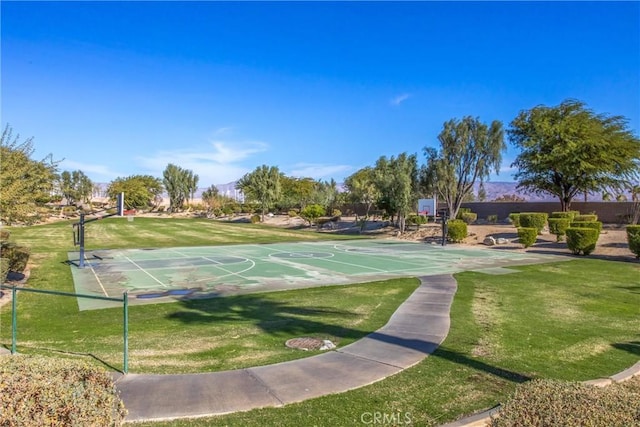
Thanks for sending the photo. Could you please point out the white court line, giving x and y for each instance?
(145, 271)
(98, 279)
(329, 260)
(231, 273)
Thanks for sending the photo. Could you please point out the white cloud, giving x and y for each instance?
(399, 99)
(218, 165)
(318, 171)
(103, 172)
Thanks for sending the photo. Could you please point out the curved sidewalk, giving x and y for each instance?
(414, 331)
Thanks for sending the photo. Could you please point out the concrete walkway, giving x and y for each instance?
(414, 331)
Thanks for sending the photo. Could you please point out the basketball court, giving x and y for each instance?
(168, 274)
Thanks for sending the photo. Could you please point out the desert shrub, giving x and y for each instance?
(469, 217)
(255, 218)
(492, 219)
(311, 213)
(527, 235)
(336, 213)
(416, 220)
(582, 240)
(462, 211)
(558, 226)
(456, 230)
(38, 391)
(17, 255)
(69, 211)
(4, 269)
(293, 213)
(597, 225)
(535, 220)
(4, 235)
(553, 403)
(585, 218)
(633, 238)
(515, 219)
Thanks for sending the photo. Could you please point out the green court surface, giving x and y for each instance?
(168, 274)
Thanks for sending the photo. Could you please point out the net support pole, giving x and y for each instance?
(14, 320)
(125, 334)
(81, 239)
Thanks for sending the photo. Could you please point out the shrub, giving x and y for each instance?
(462, 211)
(4, 269)
(417, 220)
(17, 255)
(569, 215)
(558, 226)
(492, 219)
(535, 220)
(336, 213)
(469, 217)
(597, 225)
(255, 218)
(311, 213)
(633, 238)
(293, 213)
(456, 230)
(4, 235)
(515, 219)
(582, 240)
(585, 218)
(527, 235)
(554, 403)
(38, 391)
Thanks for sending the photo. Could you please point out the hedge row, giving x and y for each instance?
(39, 391)
(553, 403)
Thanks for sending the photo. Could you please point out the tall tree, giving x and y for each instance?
(261, 185)
(396, 179)
(362, 188)
(24, 182)
(140, 191)
(76, 187)
(469, 151)
(179, 184)
(568, 150)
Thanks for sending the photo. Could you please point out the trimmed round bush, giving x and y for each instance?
(462, 211)
(597, 225)
(527, 235)
(569, 215)
(553, 403)
(585, 218)
(558, 227)
(39, 391)
(582, 240)
(633, 238)
(293, 213)
(469, 217)
(456, 230)
(17, 255)
(535, 220)
(4, 235)
(492, 219)
(255, 218)
(515, 219)
(416, 220)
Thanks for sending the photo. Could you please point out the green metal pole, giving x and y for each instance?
(125, 299)
(14, 321)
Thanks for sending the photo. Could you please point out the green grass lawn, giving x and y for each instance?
(573, 320)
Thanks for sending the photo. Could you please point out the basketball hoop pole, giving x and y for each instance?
(79, 240)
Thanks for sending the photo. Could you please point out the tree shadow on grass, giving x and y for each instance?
(272, 317)
(632, 347)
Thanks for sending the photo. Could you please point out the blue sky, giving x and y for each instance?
(319, 89)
